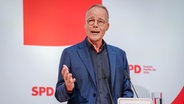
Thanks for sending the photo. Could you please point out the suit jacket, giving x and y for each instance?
(78, 60)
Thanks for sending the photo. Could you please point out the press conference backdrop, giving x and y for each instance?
(150, 31)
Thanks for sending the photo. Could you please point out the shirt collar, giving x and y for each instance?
(90, 46)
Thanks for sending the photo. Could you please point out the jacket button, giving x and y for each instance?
(94, 94)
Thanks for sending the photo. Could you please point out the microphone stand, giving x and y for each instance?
(128, 78)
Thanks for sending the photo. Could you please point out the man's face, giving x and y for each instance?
(96, 24)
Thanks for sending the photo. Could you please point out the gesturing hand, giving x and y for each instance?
(69, 80)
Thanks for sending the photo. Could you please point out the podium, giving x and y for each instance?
(135, 101)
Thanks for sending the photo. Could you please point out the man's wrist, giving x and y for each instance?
(69, 91)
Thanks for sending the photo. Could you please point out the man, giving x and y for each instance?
(92, 72)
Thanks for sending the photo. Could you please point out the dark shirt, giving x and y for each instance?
(100, 63)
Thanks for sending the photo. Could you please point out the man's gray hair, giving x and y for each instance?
(100, 6)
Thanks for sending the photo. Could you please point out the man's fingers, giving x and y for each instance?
(64, 70)
(66, 75)
(69, 78)
(74, 80)
(64, 66)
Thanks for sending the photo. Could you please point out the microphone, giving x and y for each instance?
(108, 88)
(128, 78)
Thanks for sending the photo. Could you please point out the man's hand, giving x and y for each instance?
(69, 80)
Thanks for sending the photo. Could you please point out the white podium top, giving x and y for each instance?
(135, 101)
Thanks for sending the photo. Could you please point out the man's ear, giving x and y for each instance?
(107, 27)
(85, 26)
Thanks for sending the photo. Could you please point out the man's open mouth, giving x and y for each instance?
(95, 32)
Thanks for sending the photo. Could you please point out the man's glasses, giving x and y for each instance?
(100, 22)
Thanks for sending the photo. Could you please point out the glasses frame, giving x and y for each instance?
(100, 22)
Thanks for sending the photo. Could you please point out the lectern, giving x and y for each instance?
(135, 101)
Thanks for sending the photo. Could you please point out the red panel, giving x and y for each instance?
(180, 98)
(55, 22)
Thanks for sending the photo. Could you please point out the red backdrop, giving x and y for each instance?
(55, 22)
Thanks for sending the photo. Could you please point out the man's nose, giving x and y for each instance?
(95, 24)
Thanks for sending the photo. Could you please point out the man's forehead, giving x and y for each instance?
(97, 12)
(96, 8)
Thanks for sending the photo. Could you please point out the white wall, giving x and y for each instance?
(150, 31)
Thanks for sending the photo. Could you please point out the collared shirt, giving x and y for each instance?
(101, 68)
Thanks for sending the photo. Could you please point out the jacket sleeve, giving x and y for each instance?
(127, 91)
(60, 92)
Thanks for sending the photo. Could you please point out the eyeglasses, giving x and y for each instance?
(100, 22)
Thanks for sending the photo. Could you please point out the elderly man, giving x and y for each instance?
(91, 72)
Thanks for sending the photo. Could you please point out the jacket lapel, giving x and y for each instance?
(85, 57)
(112, 61)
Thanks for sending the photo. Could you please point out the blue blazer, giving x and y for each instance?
(78, 60)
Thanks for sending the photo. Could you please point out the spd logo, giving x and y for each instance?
(137, 69)
(41, 90)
